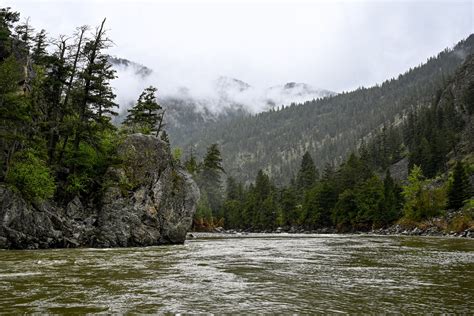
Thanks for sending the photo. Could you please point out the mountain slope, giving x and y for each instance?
(328, 128)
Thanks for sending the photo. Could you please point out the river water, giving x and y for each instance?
(251, 274)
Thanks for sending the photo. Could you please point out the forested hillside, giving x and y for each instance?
(436, 141)
(327, 128)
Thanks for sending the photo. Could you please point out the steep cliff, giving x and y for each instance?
(147, 200)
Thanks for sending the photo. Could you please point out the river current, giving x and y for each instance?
(247, 274)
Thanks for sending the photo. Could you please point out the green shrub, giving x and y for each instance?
(177, 154)
(31, 176)
(422, 202)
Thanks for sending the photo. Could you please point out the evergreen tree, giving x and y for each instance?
(146, 116)
(210, 179)
(351, 172)
(191, 164)
(232, 214)
(24, 33)
(39, 53)
(232, 189)
(368, 198)
(345, 211)
(308, 174)
(318, 204)
(7, 19)
(263, 186)
(264, 209)
(392, 201)
(459, 190)
(94, 96)
(290, 207)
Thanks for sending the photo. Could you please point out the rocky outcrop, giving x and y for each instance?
(147, 200)
(399, 170)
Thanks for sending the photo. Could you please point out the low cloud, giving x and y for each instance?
(333, 45)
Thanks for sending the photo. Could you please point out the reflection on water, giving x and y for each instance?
(264, 273)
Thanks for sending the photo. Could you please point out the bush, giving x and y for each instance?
(422, 202)
(31, 176)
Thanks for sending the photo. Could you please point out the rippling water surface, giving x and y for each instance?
(253, 274)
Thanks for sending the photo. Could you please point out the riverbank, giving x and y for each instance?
(391, 231)
(453, 224)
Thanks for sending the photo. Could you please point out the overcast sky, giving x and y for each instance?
(335, 45)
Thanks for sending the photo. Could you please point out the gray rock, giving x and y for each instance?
(148, 200)
(416, 231)
(74, 208)
(399, 170)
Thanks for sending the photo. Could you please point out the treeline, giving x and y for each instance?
(361, 193)
(56, 106)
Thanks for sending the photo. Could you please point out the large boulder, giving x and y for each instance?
(148, 200)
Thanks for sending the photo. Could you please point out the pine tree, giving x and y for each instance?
(7, 20)
(24, 35)
(317, 206)
(146, 116)
(39, 53)
(68, 103)
(232, 192)
(308, 174)
(95, 97)
(213, 161)
(459, 190)
(210, 178)
(263, 208)
(391, 204)
(290, 207)
(191, 164)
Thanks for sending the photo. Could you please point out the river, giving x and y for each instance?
(250, 274)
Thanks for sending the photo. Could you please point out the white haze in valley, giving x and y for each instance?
(214, 95)
(333, 45)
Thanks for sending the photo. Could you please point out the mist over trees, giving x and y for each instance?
(328, 128)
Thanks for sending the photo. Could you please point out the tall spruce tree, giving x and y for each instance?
(7, 19)
(146, 116)
(308, 174)
(191, 163)
(210, 178)
(392, 201)
(459, 190)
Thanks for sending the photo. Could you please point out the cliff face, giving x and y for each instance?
(147, 200)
